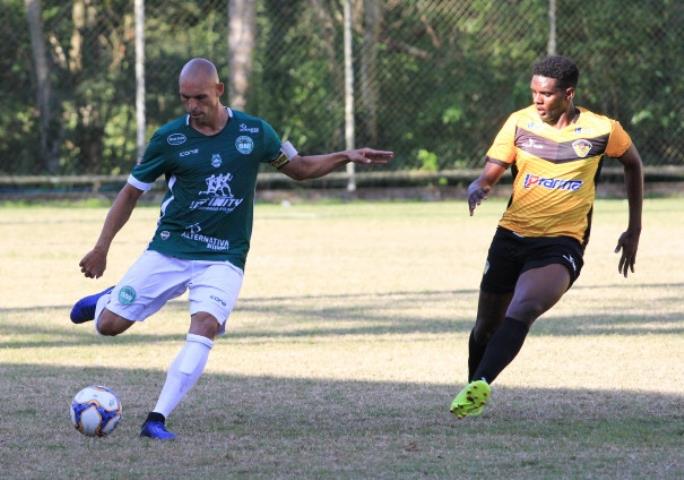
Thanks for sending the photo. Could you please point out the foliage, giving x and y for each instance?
(445, 74)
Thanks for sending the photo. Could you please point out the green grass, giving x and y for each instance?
(347, 345)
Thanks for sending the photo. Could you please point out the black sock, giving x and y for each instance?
(155, 417)
(475, 352)
(501, 349)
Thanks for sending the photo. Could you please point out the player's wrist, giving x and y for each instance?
(101, 249)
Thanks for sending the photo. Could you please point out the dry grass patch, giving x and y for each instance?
(346, 347)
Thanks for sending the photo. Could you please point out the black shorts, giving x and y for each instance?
(510, 255)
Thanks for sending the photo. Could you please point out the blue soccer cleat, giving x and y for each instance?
(84, 309)
(157, 430)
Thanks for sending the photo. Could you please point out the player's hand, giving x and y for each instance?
(628, 243)
(370, 156)
(94, 263)
(476, 193)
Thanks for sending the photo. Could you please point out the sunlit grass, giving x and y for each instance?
(347, 344)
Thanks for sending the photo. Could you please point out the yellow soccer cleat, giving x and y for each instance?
(471, 400)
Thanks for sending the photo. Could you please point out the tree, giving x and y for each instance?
(242, 24)
(48, 141)
(369, 81)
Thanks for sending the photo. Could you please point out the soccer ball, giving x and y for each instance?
(95, 411)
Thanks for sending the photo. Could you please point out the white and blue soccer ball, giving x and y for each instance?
(95, 411)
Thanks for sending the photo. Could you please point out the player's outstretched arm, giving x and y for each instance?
(634, 186)
(314, 166)
(481, 186)
(93, 264)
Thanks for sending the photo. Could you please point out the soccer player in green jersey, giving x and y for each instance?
(210, 159)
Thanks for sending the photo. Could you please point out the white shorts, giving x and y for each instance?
(154, 279)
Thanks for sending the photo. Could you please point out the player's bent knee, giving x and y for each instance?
(204, 324)
(527, 310)
(110, 324)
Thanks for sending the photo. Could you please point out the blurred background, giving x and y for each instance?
(85, 82)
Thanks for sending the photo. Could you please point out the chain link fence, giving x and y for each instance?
(433, 80)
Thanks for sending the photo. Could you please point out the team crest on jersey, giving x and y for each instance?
(176, 139)
(582, 147)
(244, 144)
(216, 160)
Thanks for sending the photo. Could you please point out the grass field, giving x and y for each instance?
(345, 350)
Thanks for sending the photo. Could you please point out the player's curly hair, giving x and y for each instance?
(561, 68)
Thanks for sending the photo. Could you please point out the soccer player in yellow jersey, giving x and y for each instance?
(555, 150)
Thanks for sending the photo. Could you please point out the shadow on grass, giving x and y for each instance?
(407, 296)
(266, 427)
(306, 317)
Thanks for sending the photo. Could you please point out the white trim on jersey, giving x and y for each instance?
(289, 150)
(145, 187)
(172, 182)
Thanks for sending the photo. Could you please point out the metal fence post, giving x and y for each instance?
(349, 93)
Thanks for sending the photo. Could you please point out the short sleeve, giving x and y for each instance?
(503, 147)
(152, 165)
(271, 143)
(618, 141)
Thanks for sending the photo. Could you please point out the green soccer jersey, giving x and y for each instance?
(207, 211)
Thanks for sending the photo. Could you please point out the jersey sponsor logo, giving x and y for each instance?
(164, 234)
(127, 295)
(532, 181)
(176, 139)
(216, 160)
(245, 128)
(582, 147)
(218, 195)
(185, 153)
(244, 144)
(192, 232)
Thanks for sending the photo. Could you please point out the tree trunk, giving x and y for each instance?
(241, 26)
(140, 77)
(369, 60)
(50, 157)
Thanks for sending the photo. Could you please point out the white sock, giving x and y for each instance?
(99, 306)
(183, 373)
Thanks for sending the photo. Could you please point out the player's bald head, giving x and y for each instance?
(199, 70)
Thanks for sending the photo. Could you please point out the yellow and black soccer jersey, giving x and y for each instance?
(555, 171)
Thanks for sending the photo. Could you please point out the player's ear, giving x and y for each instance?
(220, 87)
(570, 93)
